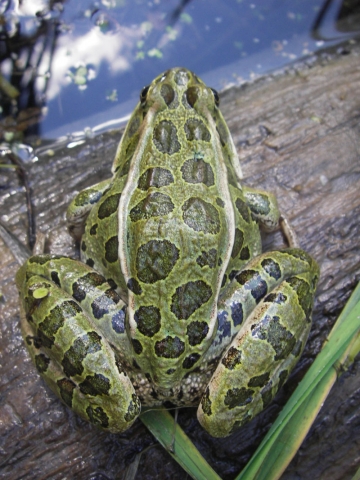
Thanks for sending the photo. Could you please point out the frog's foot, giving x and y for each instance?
(274, 294)
(68, 310)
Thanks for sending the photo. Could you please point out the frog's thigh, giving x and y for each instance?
(65, 337)
(263, 206)
(79, 208)
(276, 295)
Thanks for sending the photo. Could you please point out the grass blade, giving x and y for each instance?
(171, 436)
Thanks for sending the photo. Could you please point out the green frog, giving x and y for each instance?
(173, 299)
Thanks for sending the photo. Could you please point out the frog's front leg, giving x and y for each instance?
(81, 205)
(71, 319)
(263, 206)
(265, 210)
(269, 304)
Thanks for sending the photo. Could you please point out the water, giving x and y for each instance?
(81, 65)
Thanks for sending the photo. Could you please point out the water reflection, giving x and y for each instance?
(65, 62)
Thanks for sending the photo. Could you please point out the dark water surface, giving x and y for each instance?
(79, 65)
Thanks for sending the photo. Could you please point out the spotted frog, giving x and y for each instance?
(173, 300)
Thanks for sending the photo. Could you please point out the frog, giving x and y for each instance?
(173, 301)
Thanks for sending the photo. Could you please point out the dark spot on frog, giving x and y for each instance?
(87, 283)
(195, 130)
(195, 170)
(271, 330)
(259, 380)
(232, 358)
(155, 177)
(237, 313)
(272, 268)
(109, 206)
(189, 297)
(165, 137)
(118, 363)
(191, 96)
(135, 365)
(111, 249)
(93, 229)
(253, 281)
(66, 389)
(168, 93)
(55, 278)
(73, 358)
(155, 204)
(111, 283)
(169, 347)
(53, 322)
(197, 331)
(243, 209)
(97, 416)
(41, 362)
(276, 298)
(86, 197)
(96, 384)
(224, 326)
(220, 202)
(118, 321)
(304, 294)
(134, 286)
(155, 260)
(190, 361)
(134, 408)
(245, 254)
(238, 243)
(90, 262)
(206, 402)
(258, 203)
(207, 258)
(201, 216)
(138, 348)
(148, 319)
(238, 397)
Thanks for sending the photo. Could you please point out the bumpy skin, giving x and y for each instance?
(174, 301)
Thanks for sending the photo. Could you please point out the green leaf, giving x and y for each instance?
(171, 436)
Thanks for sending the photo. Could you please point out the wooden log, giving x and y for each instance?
(297, 134)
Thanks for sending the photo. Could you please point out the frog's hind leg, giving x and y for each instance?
(269, 306)
(71, 318)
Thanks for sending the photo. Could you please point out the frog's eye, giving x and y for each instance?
(216, 97)
(143, 94)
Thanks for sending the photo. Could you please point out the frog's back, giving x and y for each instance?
(176, 225)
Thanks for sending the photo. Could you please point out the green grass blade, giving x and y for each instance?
(290, 428)
(171, 436)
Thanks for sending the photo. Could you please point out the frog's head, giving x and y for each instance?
(179, 86)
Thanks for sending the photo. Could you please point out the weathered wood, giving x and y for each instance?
(297, 133)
